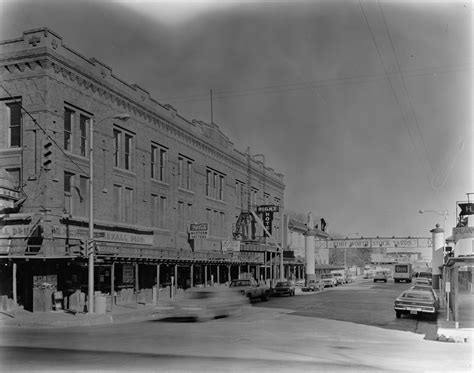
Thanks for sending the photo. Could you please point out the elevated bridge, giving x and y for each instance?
(375, 243)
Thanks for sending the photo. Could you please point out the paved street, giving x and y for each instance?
(302, 336)
(365, 303)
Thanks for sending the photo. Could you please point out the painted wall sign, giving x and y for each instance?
(230, 245)
(17, 231)
(62, 231)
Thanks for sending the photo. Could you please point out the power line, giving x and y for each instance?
(424, 71)
(44, 131)
(407, 126)
(406, 91)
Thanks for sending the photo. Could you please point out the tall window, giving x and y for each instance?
(128, 152)
(68, 119)
(215, 183)
(68, 192)
(181, 217)
(158, 211)
(117, 134)
(123, 204)
(83, 133)
(76, 194)
(185, 172)
(239, 193)
(123, 149)
(158, 162)
(10, 124)
(253, 199)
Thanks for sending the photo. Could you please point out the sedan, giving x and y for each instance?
(207, 303)
(414, 302)
(284, 288)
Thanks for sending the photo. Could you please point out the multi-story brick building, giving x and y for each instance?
(154, 173)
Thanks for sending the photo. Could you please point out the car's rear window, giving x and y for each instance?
(418, 295)
(240, 283)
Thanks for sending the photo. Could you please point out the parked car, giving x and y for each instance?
(314, 285)
(414, 302)
(422, 281)
(329, 280)
(340, 278)
(300, 283)
(251, 288)
(424, 275)
(284, 288)
(207, 303)
(380, 276)
(424, 287)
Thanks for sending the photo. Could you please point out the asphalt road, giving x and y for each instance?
(364, 302)
(305, 335)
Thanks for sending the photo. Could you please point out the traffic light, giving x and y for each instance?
(91, 247)
(80, 248)
(47, 155)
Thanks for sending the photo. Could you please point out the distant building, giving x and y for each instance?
(155, 174)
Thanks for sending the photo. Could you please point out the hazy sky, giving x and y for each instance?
(364, 106)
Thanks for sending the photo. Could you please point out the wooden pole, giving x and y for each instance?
(112, 288)
(15, 295)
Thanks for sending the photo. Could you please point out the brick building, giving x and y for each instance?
(154, 173)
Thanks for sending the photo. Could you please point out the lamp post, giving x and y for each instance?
(439, 244)
(90, 243)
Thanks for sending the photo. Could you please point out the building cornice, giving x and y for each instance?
(44, 49)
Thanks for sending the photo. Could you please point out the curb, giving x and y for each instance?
(451, 334)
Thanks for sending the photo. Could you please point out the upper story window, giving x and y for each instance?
(76, 124)
(10, 124)
(158, 162)
(253, 199)
(123, 149)
(239, 193)
(76, 194)
(123, 198)
(185, 172)
(215, 182)
(68, 120)
(83, 124)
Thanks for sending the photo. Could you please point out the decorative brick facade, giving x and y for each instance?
(154, 173)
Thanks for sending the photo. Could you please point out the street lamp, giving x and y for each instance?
(90, 243)
(443, 213)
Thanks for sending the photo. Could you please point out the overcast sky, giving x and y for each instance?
(365, 107)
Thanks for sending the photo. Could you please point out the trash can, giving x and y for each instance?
(100, 302)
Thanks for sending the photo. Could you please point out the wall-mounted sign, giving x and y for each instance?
(18, 231)
(230, 245)
(267, 218)
(267, 208)
(466, 208)
(463, 232)
(78, 233)
(198, 230)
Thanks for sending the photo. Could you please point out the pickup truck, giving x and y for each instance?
(329, 280)
(251, 289)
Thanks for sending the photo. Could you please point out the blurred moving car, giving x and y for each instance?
(329, 280)
(207, 303)
(284, 288)
(414, 302)
(381, 276)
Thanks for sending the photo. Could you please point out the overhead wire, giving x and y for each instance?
(394, 93)
(407, 93)
(53, 140)
(314, 84)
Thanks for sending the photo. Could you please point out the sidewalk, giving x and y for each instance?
(447, 331)
(58, 319)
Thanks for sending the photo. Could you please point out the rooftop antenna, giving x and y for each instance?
(212, 114)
